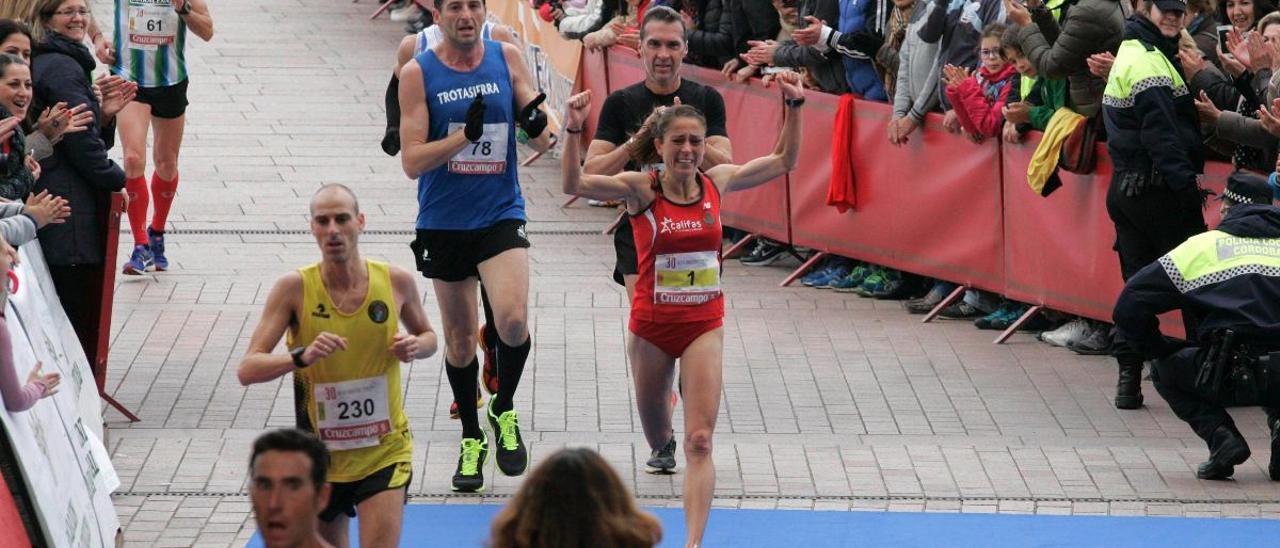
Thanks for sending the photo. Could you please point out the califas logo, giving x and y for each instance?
(684, 225)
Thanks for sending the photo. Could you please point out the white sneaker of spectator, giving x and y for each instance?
(405, 13)
(1073, 330)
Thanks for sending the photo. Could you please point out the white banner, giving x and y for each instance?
(58, 442)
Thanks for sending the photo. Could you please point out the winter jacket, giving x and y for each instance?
(826, 68)
(1151, 121)
(979, 101)
(1046, 96)
(867, 16)
(15, 179)
(79, 169)
(1089, 27)
(1241, 96)
(1221, 276)
(916, 92)
(711, 41)
(1240, 130)
(16, 227)
(956, 26)
(751, 20)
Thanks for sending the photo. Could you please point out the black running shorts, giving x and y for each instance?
(166, 101)
(453, 255)
(624, 251)
(345, 497)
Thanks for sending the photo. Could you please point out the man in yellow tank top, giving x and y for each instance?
(343, 318)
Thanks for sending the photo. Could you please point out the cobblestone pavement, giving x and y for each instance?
(830, 401)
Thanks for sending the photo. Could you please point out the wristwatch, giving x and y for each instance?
(185, 9)
(794, 103)
(296, 354)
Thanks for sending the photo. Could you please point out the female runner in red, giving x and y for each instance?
(678, 308)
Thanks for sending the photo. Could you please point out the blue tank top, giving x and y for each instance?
(478, 186)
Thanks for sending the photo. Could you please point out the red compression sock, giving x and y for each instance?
(138, 202)
(164, 191)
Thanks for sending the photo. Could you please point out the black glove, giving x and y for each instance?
(866, 42)
(533, 121)
(391, 137)
(475, 119)
(1133, 184)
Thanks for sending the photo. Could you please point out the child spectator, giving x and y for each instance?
(979, 99)
(1034, 99)
(956, 26)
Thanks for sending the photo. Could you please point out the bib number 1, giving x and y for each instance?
(686, 278)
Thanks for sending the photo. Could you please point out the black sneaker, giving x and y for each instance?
(765, 253)
(663, 461)
(512, 456)
(469, 477)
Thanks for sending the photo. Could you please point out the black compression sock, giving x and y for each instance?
(490, 326)
(463, 382)
(510, 366)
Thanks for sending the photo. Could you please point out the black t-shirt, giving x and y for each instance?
(624, 110)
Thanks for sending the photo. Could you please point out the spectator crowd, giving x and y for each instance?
(1000, 69)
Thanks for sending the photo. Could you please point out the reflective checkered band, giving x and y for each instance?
(1142, 85)
(1184, 285)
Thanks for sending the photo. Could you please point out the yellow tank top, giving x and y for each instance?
(353, 400)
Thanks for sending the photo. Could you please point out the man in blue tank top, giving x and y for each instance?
(460, 104)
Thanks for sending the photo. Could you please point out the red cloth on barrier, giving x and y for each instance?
(931, 206)
(11, 527)
(593, 75)
(842, 192)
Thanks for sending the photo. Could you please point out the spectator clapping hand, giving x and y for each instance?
(116, 94)
(1208, 112)
(954, 76)
(1270, 117)
(1192, 63)
(58, 120)
(47, 209)
(761, 52)
(1017, 13)
(1100, 64)
(809, 35)
(7, 127)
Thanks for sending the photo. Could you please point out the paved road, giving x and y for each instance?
(830, 401)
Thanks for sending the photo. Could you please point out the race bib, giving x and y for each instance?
(488, 156)
(151, 25)
(352, 414)
(686, 278)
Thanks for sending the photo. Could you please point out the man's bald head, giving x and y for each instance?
(335, 191)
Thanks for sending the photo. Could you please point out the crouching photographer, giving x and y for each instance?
(1229, 278)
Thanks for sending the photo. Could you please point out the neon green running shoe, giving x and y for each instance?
(511, 455)
(469, 478)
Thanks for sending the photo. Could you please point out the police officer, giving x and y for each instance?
(1230, 278)
(1154, 140)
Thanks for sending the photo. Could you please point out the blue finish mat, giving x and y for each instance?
(468, 525)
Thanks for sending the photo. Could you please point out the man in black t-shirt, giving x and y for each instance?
(622, 127)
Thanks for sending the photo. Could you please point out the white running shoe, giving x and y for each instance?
(1073, 330)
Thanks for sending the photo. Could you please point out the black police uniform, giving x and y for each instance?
(1230, 279)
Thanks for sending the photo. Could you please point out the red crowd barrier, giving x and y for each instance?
(939, 218)
(939, 206)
